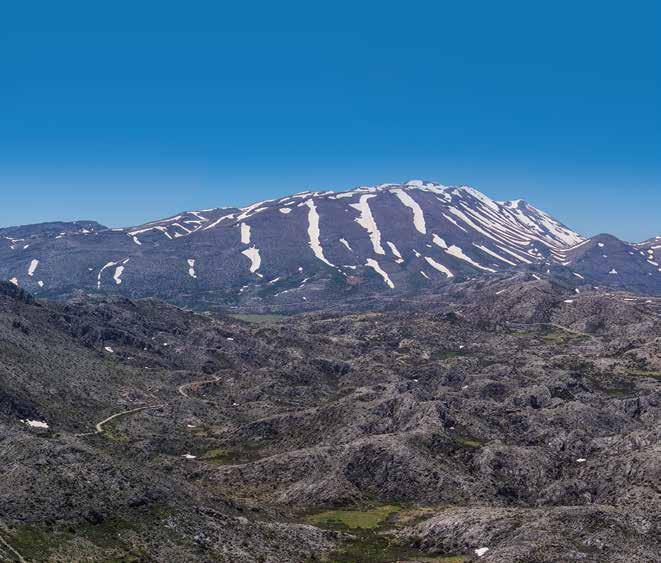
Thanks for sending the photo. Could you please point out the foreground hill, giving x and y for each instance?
(302, 251)
(503, 419)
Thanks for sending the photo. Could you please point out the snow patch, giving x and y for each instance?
(418, 216)
(314, 232)
(366, 220)
(33, 267)
(459, 253)
(245, 233)
(253, 255)
(439, 267)
(375, 266)
(35, 423)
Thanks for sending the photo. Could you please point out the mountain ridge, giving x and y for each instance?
(318, 246)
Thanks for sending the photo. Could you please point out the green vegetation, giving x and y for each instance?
(266, 319)
(216, 456)
(369, 544)
(352, 519)
(448, 355)
(220, 456)
(36, 543)
(114, 434)
(469, 442)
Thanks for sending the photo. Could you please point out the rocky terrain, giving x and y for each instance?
(509, 417)
(305, 251)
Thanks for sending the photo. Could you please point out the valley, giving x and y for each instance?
(502, 419)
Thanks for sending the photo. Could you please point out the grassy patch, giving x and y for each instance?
(35, 543)
(556, 338)
(216, 456)
(368, 544)
(448, 355)
(352, 519)
(220, 456)
(267, 319)
(32, 542)
(469, 442)
(114, 434)
(643, 373)
(523, 333)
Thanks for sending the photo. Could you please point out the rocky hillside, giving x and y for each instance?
(503, 419)
(305, 250)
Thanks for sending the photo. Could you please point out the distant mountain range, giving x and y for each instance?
(312, 247)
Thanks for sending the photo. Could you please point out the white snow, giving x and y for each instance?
(253, 255)
(285, 210)
(418, 216)
(314, 232)
(189, 456)
(581, 460)
(35, 423)
(494, 254)
(245, 233)
(217, 221)
(439, 241)
(439, 267)
(394, 250)
(459, 253)
(480, 551)
(33, 267)
(613, 271)
(375, 266)
(118, 274)
(423, 274)
(40, 283)
(366, 220)
(115, 277)
(14, 281)
(252, 209)
(569, 300)
(454, 222)
(108, 349)
(346, 243)
(578, 275)
(191, 268)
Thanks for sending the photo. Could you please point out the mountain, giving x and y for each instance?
(312, 248)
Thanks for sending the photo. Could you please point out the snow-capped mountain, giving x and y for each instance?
(318, 245)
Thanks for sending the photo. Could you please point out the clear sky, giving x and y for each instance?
(135, 111)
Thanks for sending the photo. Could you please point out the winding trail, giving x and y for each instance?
(182, 388)
(99, 425)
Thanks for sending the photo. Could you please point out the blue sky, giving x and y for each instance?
(132, 114)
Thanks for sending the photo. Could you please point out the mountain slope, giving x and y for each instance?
(311, 246)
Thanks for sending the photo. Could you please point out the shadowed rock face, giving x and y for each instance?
(507, 413)
(303, 251)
